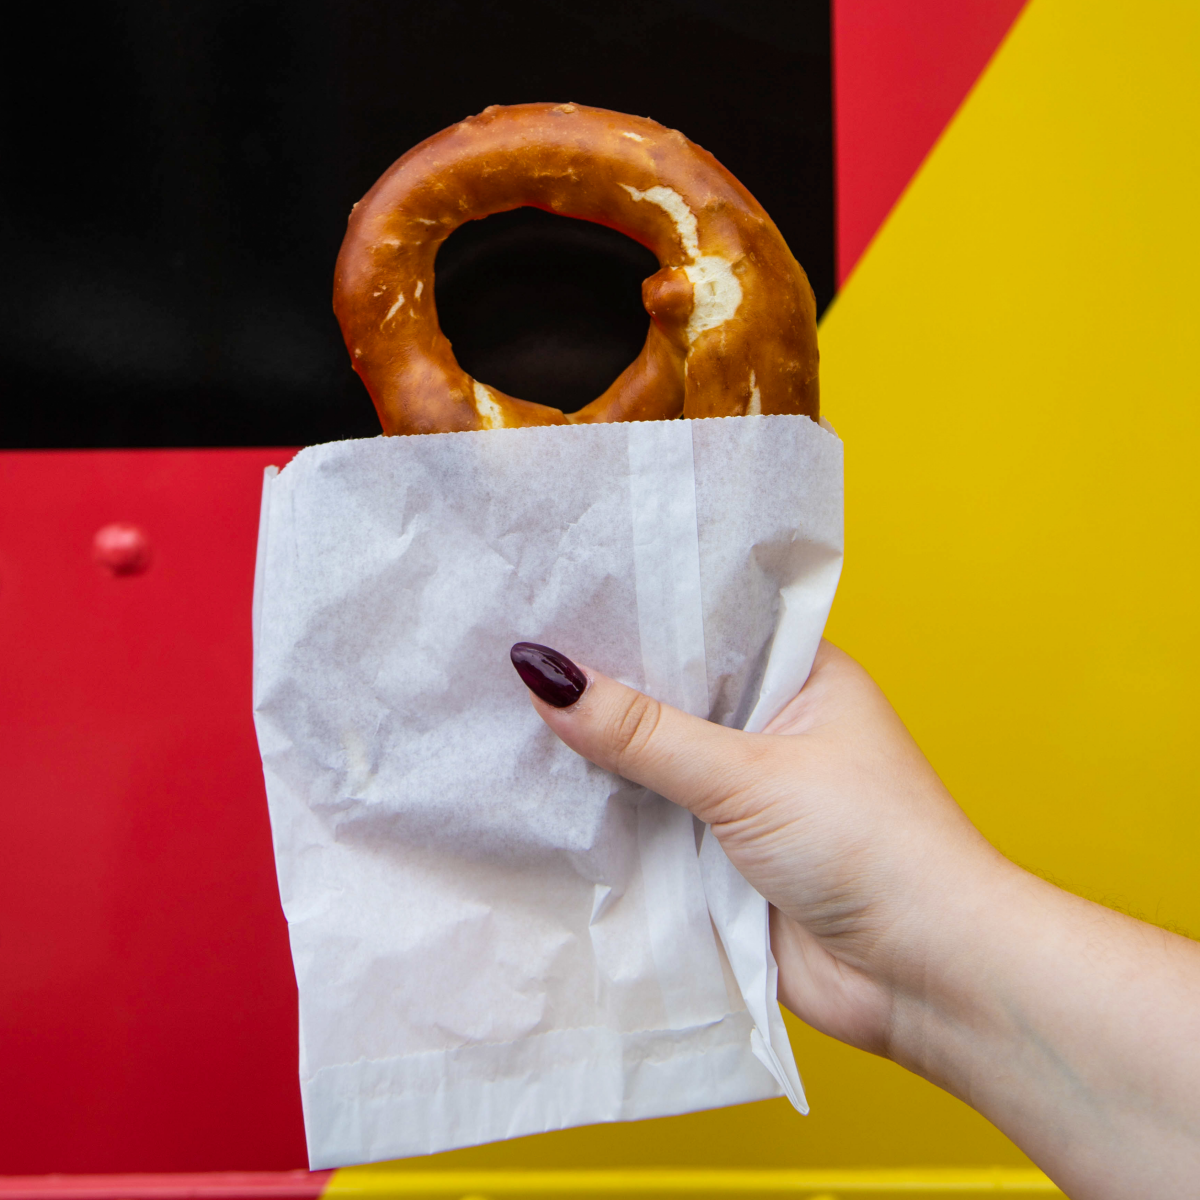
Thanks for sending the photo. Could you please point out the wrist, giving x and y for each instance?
(951, 963)
(884, 976)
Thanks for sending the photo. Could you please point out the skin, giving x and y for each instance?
(900, 930)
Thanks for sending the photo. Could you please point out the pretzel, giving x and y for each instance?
(733, 319)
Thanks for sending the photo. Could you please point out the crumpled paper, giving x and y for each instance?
(493, 937)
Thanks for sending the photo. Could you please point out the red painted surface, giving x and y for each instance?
(217, 1185)
(147, 1002)
(901, 68)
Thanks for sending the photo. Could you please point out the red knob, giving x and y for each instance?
(122, 548)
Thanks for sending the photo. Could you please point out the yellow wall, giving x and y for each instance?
(1014, 369)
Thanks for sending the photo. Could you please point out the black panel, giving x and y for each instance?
(176, 178)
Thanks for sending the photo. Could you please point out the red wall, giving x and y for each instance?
(147, 1003)
(901, 68)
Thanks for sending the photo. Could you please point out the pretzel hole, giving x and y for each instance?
(543, 307)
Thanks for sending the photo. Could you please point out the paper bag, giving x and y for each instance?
(493, 937)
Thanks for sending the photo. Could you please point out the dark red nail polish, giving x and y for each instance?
(550, 676)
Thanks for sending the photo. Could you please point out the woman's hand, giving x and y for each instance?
(833, 814)
(899, 929)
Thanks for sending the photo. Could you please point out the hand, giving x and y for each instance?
(832, 813)
(900, 930)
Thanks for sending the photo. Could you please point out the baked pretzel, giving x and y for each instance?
(733, 319)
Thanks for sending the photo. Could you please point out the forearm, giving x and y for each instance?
(1075, 1029)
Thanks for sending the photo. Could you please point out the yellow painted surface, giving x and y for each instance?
(1014, 369)
(356, 1184)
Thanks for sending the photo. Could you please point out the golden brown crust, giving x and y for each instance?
(733, 319)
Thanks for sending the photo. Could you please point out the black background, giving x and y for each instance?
(176, 179)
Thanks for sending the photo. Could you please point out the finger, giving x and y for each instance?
(686, 759)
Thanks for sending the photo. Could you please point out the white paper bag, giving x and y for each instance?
(492, 937)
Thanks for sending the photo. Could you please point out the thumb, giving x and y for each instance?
(690, 761)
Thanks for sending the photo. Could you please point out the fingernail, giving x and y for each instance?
(550, 676)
